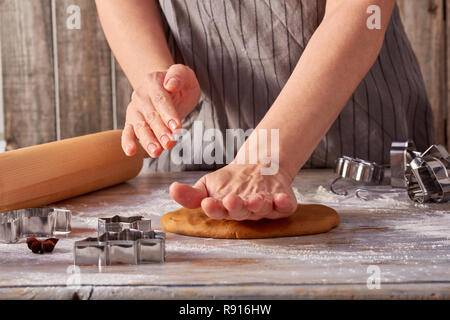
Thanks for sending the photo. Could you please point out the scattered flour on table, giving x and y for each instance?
(431, 226)
(426, 220)
(153, 204)
(321, 195)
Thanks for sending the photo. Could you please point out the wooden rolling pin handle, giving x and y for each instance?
(47, 173)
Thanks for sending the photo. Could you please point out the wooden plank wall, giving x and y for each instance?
(60, 83)
(27, 68)
(447, 61)
(425, 26)
(2, 109)
(84, 72)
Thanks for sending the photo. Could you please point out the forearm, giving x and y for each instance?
(135, 34)
(337, 57)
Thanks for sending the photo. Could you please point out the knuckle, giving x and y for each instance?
(138, 95)
(154, 77)
(150, 116)
(177, 67)
(130, 111)
(160, 98)
(150, 77)
(140, 125)
(159, 76)
(127, 126)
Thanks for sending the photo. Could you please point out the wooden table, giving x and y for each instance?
(407, 244)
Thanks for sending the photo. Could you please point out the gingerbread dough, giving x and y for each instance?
(308, 219)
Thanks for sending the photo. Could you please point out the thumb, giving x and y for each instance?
(175, 77)
(187, 196)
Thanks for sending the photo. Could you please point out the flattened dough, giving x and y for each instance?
(308, 219)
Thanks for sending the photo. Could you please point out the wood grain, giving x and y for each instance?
(2, 109)
(447, 75)
(84, 72)
(424, 24)
(123, 95)
(27, 65)
(408, 243)
(42, 174)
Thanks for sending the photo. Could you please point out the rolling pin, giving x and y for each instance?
(47, 173)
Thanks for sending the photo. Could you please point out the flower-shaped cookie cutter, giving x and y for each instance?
(33, 222)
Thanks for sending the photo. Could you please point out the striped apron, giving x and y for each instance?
(243, 52)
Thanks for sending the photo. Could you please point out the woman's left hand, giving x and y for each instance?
(239, 192)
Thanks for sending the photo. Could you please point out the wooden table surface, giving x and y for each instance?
(408, 244)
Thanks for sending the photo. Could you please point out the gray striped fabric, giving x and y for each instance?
(243, 52)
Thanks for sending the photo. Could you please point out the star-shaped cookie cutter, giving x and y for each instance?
(120, 223)
(125, 245)
(33, 222)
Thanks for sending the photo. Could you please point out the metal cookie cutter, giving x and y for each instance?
(401, 155)
(121, 243)
(427, 176)
(33, 222)
(119, 223)
(125, 247)
(357, 170)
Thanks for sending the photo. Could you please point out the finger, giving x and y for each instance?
(162, 133)
(162, 101)
(266, 208)
(128, 140)
(235, 207)
(214, 208)
(284, 204)
(187, 196)
(255, 203)
(176, 77)
(146, 137)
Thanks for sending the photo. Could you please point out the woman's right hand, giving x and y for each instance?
(157, 108)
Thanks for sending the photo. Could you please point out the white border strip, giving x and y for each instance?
(113, 90)
(56, 71)
(2, 107)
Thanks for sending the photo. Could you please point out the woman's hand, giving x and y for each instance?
(157, 108)
(239, 192)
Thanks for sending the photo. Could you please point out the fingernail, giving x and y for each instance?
(128, 148)
(152, 148)
(164, 140)
(172, 84)
(173, 125)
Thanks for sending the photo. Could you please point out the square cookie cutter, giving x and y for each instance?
(118, 242)
(33, 222)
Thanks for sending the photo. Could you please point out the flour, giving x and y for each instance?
(430, 225)
(376, 200)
